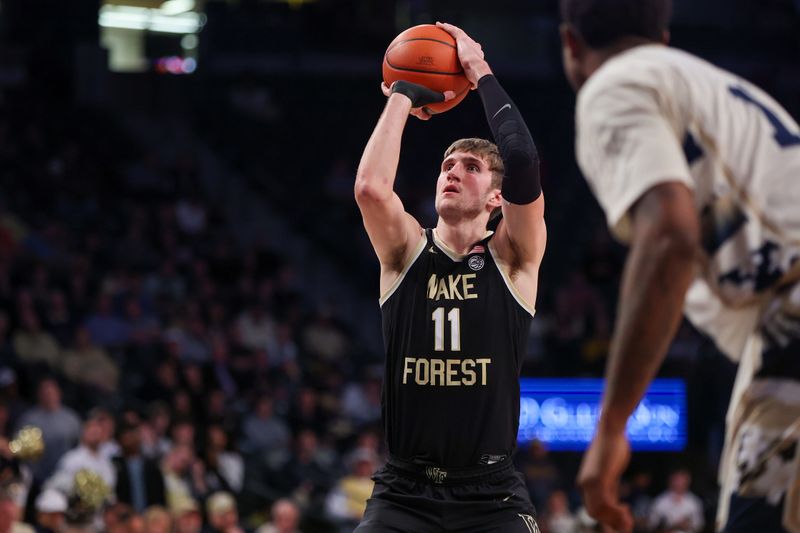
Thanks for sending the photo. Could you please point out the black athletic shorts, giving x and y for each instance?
(411, 498)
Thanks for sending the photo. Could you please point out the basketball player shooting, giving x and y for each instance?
(457, 302)
(699, 171)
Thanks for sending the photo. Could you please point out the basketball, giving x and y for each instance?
(427, 55)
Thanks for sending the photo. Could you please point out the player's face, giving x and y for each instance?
(464, 188)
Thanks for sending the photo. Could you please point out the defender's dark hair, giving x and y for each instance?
(602, 22)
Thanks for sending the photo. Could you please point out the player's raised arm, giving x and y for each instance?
(392, 231)
(522, 235)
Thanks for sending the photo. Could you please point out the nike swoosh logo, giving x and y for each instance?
(432, 250)
(498, 111)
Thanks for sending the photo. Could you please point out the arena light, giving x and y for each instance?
(140, 18)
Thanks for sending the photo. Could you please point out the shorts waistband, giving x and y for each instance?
(443, 475)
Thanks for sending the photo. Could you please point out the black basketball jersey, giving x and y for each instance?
(454, 333)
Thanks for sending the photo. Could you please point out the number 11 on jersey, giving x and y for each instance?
(454, 317)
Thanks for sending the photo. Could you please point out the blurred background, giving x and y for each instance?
(188, 301)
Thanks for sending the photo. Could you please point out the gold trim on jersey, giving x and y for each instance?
(423, 242)
(449, 252)
(501, 267)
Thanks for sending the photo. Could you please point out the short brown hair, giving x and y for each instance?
(484, 149)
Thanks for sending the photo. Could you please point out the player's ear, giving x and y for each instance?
(495, 199)
(570, 41)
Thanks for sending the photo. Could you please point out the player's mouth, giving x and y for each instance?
(450, 188)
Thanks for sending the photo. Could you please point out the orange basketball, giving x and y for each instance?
(427, 55)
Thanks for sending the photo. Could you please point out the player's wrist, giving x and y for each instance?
(401, 99)
(479, 71)
(611, 424)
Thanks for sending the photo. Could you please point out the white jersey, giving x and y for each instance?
(654, 114)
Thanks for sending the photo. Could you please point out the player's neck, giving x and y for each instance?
(462, 236)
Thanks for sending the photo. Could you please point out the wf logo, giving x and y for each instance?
(435, 474)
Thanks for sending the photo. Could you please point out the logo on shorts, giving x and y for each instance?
(435, 474)
(476, 262)
(530, 523)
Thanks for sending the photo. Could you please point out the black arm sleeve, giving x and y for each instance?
(521, 184)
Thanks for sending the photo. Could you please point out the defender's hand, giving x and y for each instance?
(470, 54)
(420, 97)
(602, 467)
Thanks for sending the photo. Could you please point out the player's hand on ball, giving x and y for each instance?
(419, 95)
(470, 54)
(602, 467)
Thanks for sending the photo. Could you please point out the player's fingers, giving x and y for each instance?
(449, 95)
(604, 507)
(617, 516)
(385, 89)
(455, 31)
(420, 113)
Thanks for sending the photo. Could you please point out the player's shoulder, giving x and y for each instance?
(641, 70)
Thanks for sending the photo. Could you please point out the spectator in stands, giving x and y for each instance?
(362, 400)
(262, 430)
(33, 345)
(105, 328)
(90, 365)
(109, 447)
(256, 327)
(11, 509)
(223, 516)
(140, 482)
(308, 473)
(283, 351)
(177, 470)
(640, 501)
(324, 339)
(155, 442)
(677, 510)
(86, 456)
(9, 395)
(284, 518)
(122, 519)
(144, 327)
(347, 500)
(541, 474)
(157, 520)
(59, 318)
(186, 517)
(60, 426)
(51, 506)
(220, 366)
(306, 412)
(557, 517)
(224, 468)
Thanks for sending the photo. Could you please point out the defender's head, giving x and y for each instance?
(469, 180)
(594, 30)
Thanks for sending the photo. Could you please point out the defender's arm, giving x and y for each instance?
(660, 267)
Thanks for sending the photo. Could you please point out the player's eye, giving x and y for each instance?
(472, 168)
(448, 166)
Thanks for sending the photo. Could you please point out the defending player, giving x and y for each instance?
(457, 302)
(699, 171)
